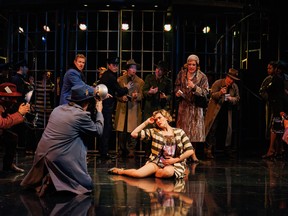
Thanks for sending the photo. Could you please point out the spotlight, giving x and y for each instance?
(46, 28)
(167, 27)
(235, 33)
(206, 29)
(82, 26)
(125, 26)
(20, 29)
(43, 39)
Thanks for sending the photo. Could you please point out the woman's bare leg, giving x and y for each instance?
(144, 171)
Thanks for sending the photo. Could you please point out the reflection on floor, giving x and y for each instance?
(248, 186)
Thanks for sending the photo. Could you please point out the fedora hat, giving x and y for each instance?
(113, 60)
(162, 65)
(9, 90)
(233, 74)
(79, 93)
(131, 62)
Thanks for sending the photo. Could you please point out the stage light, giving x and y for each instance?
(206, 29)
(82, 26)
(125, 26)
(20, 29)
(46, 28)
(235, 33)
(167, 27)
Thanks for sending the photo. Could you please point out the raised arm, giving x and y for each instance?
(140, 127)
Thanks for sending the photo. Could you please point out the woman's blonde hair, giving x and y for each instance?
(163, 113)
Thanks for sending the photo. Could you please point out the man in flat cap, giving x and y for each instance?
(224, 98)
(109, 78)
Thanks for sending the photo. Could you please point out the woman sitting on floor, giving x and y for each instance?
(170, 148)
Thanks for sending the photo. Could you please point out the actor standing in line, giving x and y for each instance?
(128, 110)
(60, 161)
(109, 78)
(277, 102)
(8, 99)
(191, 83)
(74, 76)
(265, 85)
(224, 97)
(157, 90)
(23, 86)
(157, 93)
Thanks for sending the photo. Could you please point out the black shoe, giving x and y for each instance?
(13, 168)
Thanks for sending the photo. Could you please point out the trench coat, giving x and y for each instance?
(62, 152)
(134, 113)
(216, 101)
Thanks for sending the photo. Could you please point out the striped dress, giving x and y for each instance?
(158, 141)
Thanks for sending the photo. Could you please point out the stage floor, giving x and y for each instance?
(223, 186)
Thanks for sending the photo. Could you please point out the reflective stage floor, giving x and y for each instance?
(239, 186)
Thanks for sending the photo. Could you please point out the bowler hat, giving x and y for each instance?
(233, 74)
(79, 93)
(162, 65)
(131, 62)
(113, 60)
(9, 90)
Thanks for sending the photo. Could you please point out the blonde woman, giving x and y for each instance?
(170, 148)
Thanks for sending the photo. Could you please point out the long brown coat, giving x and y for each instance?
(190, 118)
(134, 117)
(216, 101)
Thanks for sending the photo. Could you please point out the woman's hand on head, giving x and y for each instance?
(150, 120)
